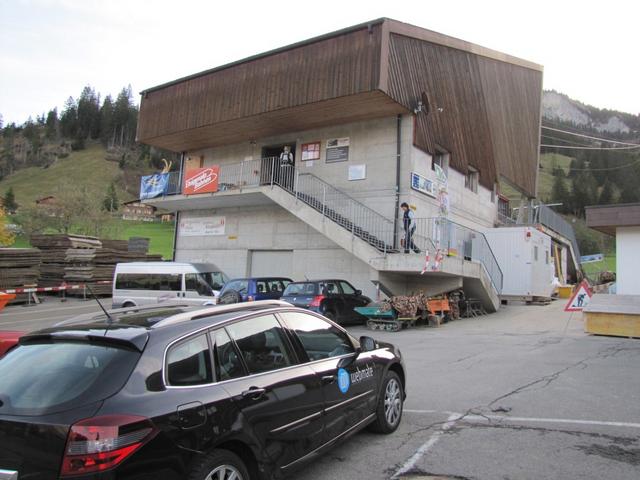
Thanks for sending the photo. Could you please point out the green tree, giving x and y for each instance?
(9, 201)
(107, 132)
(560, 193)
(110, 202)
(606, 194)
(88, 114)
(69, 119)
(52, 126)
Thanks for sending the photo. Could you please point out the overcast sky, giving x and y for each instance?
(51, 49)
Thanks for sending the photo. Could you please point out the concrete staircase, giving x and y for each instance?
(370, 237)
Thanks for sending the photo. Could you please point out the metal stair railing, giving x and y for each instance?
(335, 205)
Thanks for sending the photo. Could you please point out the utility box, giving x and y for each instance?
(525, 258)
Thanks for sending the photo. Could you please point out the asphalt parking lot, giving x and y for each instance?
(520, 394)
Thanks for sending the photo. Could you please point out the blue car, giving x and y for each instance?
(255, 288)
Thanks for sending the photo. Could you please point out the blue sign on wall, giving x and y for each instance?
(423, 185)
(152, 186)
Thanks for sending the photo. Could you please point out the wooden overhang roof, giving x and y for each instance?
(481, 106)
(606, 218)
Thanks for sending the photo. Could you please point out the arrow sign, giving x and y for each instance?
(580, 298)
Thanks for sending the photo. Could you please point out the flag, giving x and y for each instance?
(153, 185)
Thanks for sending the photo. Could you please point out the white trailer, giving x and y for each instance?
(525, 258)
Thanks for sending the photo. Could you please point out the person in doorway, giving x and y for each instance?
(285, 174)
(409, 224)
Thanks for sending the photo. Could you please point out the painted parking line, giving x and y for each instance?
(505, 418)
(426, 446)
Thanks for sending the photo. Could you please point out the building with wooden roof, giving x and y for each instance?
(373, 115)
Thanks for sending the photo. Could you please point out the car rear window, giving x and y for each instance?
(43, 378)
(300, 289)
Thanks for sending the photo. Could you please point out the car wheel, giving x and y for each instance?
(230, 296)
(331, 315)
(219, 465)
(389, 409)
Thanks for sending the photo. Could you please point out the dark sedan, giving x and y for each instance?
(245, 391)
(335, 299)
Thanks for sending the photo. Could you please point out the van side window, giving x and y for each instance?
(189, 362)
(149, 281)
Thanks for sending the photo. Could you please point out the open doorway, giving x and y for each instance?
(276, 150)
(278, 163)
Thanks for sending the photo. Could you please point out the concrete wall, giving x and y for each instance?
(271, 228)
(372, 143)
(628, 260)
(468, 208)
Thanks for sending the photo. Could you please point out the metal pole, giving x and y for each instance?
(395, 212)
(273, 163)
(324, 200)
(296, 185)
(240, 179)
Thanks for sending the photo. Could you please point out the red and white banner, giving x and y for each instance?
(201, 180)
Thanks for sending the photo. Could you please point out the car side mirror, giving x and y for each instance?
(367, 344)
(358, 292)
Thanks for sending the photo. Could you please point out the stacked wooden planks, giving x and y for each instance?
(19, 267)
(76, 259)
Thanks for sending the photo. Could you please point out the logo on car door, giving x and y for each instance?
(344, 381)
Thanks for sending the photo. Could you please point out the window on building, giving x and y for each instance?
(471, 179)
(441, 159)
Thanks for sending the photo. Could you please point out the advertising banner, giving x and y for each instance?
(201, 180)
(201, 226)
(152, 186)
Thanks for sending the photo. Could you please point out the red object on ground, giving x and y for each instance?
(8, 340)
(5, 298)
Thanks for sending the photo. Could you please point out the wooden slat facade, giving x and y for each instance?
(484, 112)
(335, 67)
(490, 101)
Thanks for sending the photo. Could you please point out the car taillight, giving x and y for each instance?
(316, 301)
(100, 443)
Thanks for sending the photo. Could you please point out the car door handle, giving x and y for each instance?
(328, 379)
(254, 393)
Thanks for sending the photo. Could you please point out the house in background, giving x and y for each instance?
(295, 161)
(137, 210)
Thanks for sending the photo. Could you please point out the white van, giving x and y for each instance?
(144, 283)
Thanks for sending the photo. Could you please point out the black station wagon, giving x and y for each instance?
(233, 392)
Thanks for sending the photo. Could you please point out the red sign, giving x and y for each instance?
(201, 180)
(580, 298)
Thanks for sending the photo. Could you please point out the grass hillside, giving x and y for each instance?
(548, 162)
(85, 167)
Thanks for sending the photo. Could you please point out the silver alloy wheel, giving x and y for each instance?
(392, 402)
(225, 472)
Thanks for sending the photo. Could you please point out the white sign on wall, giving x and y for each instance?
(357, 172)
(201, 226)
